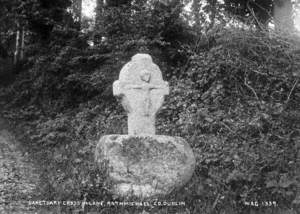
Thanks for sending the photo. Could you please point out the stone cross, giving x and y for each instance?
(142, 90)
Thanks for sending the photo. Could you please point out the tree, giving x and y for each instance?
(12, 30)
(263, 11)
(25, 22)
(259, 10)
(99, 22)
(42, 16)
(155, 27)
(107, 11)
(20, 44)
(77, 10)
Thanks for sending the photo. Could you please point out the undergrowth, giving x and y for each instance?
(236, 101)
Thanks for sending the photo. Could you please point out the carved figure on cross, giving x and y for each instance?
(142, 90)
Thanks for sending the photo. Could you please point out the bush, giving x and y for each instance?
(238, 105)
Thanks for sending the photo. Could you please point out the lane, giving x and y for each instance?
(18, 176)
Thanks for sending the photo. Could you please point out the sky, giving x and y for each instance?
(297, 21)
(88, 9)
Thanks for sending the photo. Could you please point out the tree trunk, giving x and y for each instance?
(213, 12)
(77, 10)
(22, 43)
(99, 25)
(19, 48)
(196, 6)
(283, 15)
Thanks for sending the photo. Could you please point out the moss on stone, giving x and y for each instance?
(113, 137)
(135, 148)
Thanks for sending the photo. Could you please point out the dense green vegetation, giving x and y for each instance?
(234, 96)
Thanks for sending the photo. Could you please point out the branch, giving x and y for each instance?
(252, 89)
(216, 201)
(293, 88)
(261, 7)
(254, 16)
(224, 124)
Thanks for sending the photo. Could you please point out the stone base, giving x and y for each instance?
(145, 165)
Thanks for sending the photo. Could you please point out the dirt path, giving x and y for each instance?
(18, 175)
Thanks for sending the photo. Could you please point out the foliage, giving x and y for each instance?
(234, 97)
(44, 15)
(40, 16)
(237, 103)
(144, 26)
(253, 13)
(262, 10)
